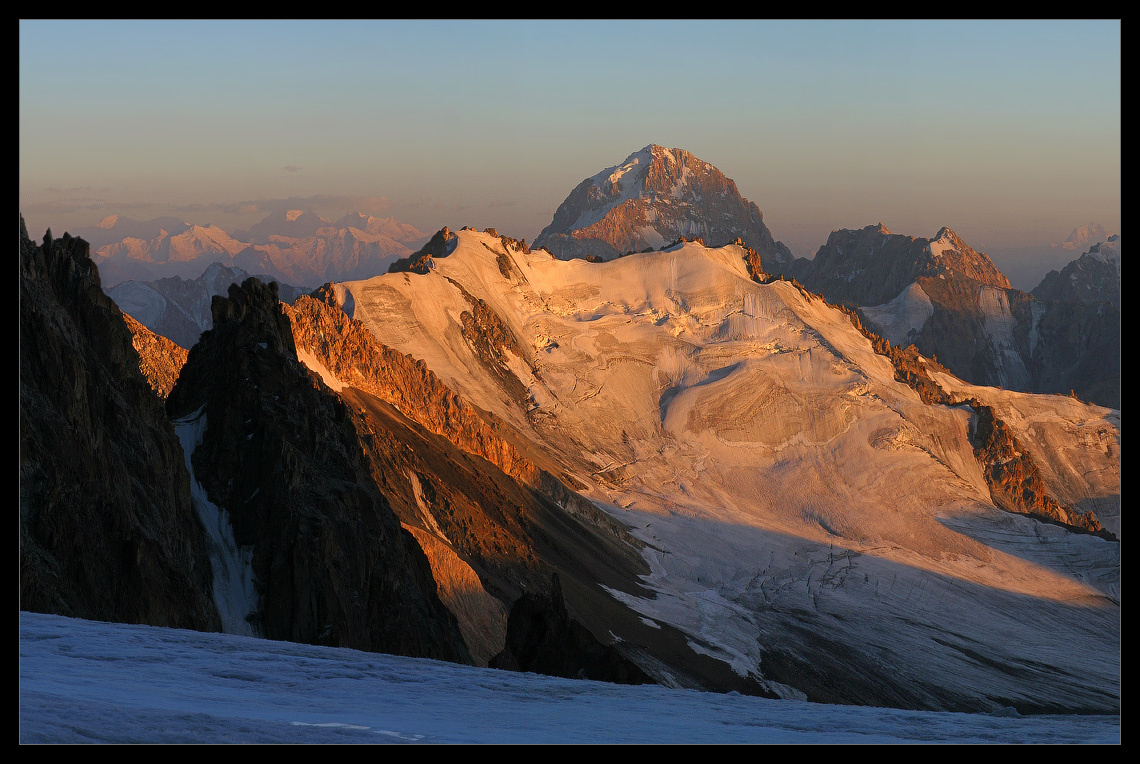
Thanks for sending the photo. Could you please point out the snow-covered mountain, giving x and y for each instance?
(653, 198)
(666, 466)
(807, 519)
(181, 253)
(115, 228)
(290, 246)
(1084, 236)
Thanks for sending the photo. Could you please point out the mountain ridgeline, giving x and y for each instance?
(643, 450)
(107, 524)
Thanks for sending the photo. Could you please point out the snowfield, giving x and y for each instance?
(800, 507)
(89, 682)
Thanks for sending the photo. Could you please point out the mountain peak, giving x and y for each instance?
(655, 196)
(1084, 236)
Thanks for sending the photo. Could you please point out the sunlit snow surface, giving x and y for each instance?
(787, 486)
(89, 682)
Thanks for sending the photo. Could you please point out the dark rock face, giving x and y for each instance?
(283, 457)
(1079, 350)
(543, 638)
(1078, 321)
(107, 531)
(871, 266)
(656, 196)
(1092, 278)
(441, 244)
(977, 326)
(179, 309)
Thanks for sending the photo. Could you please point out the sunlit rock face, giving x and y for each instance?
(809, 522)
(107, 531)
(496, 526)
(653, 198)
(160, 360)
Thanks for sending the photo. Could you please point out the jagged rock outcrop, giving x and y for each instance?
(953, 304)
(1014, 480)
(179, 309)
(654, 197)
(107, 531)
(160, 360)
(1092, 278)
(543, 638)
(283, 457)
(439, 245)
(870, 266)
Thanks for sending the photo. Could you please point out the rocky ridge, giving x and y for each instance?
(107, 531)
(282, 456)
(179, 309)
(1092, 278)
(953, 304)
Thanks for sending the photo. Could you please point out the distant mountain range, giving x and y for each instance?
(295, 246)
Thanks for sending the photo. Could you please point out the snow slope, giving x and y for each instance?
(89, 682)
(806, 516)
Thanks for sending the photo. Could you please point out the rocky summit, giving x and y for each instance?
(653, 198)
(953, 304)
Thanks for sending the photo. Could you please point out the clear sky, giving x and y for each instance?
(1006, 131)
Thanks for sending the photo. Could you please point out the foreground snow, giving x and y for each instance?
(82, 681)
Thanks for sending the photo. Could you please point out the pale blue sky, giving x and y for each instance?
(1004, 131)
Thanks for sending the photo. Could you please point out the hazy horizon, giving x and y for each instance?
(1008, 132)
